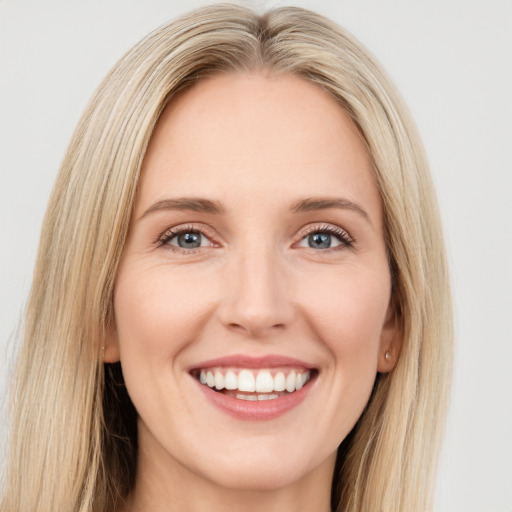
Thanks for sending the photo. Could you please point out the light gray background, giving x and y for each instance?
(452, 61)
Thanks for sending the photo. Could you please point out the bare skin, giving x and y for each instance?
(257, 232)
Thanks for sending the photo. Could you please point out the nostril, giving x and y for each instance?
(253, 329)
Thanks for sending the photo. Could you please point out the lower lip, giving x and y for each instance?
(259, 410)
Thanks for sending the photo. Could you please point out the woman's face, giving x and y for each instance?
(255, 260)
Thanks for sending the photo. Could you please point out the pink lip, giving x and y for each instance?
(243, 361)
(255, 410)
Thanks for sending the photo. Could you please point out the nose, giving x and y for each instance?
(257, 298)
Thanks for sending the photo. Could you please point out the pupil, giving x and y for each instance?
(189, 240)
(319, 241)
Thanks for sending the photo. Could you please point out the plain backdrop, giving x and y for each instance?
(452, 61)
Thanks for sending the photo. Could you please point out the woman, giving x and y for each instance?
(245, 224)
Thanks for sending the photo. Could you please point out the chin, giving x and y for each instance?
(263, 468)
(256, 477)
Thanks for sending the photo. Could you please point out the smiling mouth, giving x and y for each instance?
(254, 384)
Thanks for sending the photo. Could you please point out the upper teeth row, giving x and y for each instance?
(262, 382)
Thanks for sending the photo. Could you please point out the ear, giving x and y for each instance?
(111, 352)
(390, 340)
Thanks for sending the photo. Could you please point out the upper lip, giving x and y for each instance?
(244, 361)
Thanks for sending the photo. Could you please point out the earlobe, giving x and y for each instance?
(110, 348)
(391, 342)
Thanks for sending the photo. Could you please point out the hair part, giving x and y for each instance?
(73, 435)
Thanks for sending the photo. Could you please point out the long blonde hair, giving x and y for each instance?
(72, 439)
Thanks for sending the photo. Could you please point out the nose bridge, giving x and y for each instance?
(257, 296)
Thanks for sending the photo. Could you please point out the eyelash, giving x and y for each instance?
(163, 240)
(346, 240)
(167, 236)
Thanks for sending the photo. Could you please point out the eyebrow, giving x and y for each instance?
(185, 204)
(214, 207)
(324, 203)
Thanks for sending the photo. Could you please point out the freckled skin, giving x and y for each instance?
(255, 145)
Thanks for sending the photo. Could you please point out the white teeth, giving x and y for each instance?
(264, 382)
(279, 382)
(254, 398)
(255, 381)
(301, 380)
(291, 382)
(268, 396)
(250, 398)
(246, 381)
(231, 381)
(219, 380)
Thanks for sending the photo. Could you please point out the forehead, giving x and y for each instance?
(255, 137)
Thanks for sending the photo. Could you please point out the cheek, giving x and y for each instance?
(156, 314)
(346, 308)
(345, 311)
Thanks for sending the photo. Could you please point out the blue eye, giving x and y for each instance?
(319, 241)
(326, 238)
(189, 239)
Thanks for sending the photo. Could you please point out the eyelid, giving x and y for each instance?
(347, 241)
(173, 231)
(344, 236)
